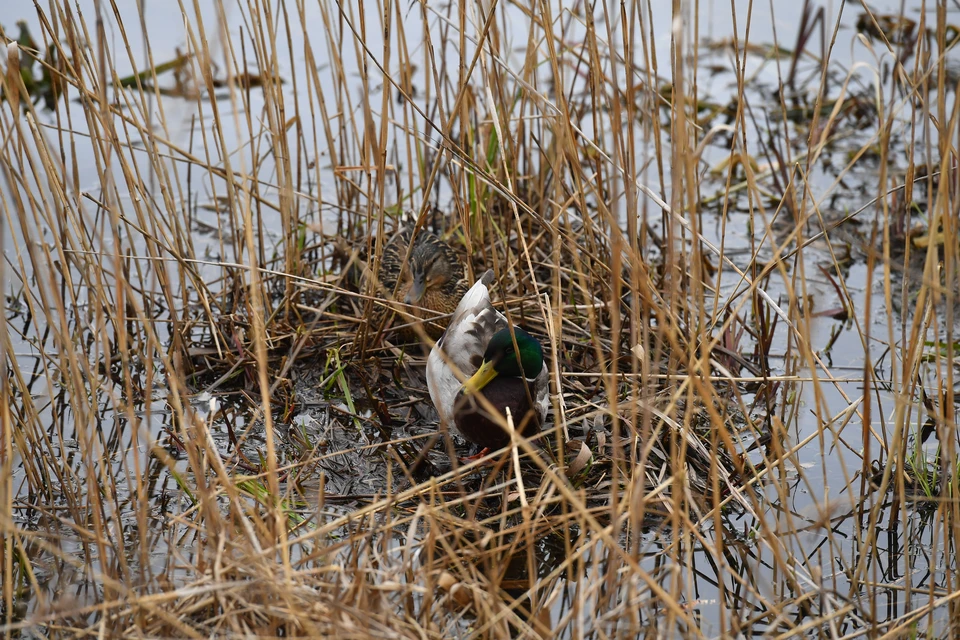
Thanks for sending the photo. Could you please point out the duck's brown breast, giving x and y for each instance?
(477, 425)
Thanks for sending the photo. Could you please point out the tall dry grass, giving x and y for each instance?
(202, 434)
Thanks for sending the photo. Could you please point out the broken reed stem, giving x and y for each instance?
(182, 331)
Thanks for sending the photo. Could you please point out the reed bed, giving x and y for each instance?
(205, 433)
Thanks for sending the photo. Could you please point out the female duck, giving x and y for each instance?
(427, 278)
(505, 367)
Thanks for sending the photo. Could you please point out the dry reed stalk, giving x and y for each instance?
(202, 434)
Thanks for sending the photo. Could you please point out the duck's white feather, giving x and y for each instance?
(460, 349)
(541, 389)
(459, 352)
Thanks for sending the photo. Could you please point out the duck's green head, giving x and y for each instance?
(502, 359)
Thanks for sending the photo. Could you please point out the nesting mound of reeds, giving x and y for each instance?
(209, 430)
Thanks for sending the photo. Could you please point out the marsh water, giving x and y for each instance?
(823, 504)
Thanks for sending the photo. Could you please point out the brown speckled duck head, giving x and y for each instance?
(431, 280)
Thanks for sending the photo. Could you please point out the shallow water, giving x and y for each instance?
(827, 490)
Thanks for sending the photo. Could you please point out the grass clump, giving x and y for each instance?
(738, 288)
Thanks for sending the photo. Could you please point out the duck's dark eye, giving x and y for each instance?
(439, 269)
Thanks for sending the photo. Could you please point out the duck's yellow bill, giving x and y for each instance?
(481, 378)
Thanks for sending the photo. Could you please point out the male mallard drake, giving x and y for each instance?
(431, 280)
(478, 342)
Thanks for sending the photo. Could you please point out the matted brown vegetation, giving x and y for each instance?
(203, 435)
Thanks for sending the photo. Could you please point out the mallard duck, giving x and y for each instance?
(478, 343)
(431, 281)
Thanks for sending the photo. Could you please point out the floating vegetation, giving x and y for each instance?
(738, 255)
